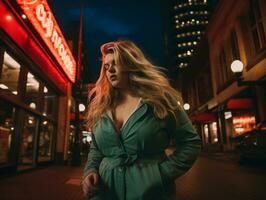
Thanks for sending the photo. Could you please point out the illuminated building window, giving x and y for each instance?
(9, 74)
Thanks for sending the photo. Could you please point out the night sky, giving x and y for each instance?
(105, 20)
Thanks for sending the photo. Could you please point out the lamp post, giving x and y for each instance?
(237, 68)
(186, 106)
(75, 158)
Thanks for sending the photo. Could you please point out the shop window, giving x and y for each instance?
(27, 144)
(206, 133)
(214, 133)
(50, 100)
(243, 123)
(256, 26)
(46, 141)
(9, 74)
(32, 92)
(7, 113)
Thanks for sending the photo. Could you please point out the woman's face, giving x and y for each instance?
(114, 73)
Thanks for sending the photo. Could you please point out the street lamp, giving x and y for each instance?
(237, 68)
(82, 107)
(186, 106)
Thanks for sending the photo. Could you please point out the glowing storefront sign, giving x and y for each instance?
(39, 14)
(244, 123)
(244, 120)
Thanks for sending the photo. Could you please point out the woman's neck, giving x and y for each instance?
(126, 94)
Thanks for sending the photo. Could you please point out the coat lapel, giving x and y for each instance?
(134, 118)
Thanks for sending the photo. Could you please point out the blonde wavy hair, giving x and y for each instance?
(146, 80)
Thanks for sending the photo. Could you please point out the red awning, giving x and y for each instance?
(207, 117)
(243, 103)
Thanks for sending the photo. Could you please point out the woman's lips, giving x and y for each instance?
(113, 77)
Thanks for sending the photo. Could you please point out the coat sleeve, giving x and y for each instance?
(94, 158)
(188, 145)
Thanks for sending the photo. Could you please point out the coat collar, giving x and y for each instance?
(139, 112)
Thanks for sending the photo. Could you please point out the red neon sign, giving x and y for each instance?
(245, 119)
(39, 14)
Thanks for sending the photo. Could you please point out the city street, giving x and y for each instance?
(208, 179)
(215, 179)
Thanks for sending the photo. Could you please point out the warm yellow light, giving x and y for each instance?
(8, 17)
(24, 16)
(186, 106)
(82, 107)
(237, 66)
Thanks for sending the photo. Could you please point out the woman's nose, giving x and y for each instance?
(111, 69)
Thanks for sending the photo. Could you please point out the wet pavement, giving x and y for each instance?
(210, 178)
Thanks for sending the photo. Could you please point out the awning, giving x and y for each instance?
(206, 117)
(237, 104)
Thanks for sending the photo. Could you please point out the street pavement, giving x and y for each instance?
(209, 179)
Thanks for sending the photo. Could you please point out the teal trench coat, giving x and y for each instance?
(133, 165)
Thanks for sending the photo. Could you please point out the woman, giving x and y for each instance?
(135, 113)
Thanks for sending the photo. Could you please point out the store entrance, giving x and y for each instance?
(28, 143)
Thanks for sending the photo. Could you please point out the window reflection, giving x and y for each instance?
(45, 140)
(7, 113)
(27, 142)
(32, 91)
(9, 75)
(49, 101)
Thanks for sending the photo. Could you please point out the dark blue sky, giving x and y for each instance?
(105, 20)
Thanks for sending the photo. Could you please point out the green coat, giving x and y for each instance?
(133, 165)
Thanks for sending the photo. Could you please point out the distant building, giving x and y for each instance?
(220, 108)
(184, 24)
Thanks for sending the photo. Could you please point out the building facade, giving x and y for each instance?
(36, 72)
(222, 109)
(184, 24)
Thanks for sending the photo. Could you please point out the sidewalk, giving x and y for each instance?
(227, 157)
(50, 183)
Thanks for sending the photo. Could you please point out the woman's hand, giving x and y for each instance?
(90, 184)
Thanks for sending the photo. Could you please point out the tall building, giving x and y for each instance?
(225, 106)
(184, 25)
(190, 20)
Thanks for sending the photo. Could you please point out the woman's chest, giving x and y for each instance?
(143, 135)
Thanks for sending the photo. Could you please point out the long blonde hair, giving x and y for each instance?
(145, 79)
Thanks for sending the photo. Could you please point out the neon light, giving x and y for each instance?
(39, 14)
(245, 119)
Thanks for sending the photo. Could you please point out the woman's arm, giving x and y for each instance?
(188, 145)
(94, 158)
